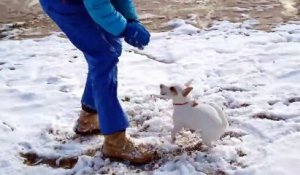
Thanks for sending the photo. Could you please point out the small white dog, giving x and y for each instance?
(208, 119)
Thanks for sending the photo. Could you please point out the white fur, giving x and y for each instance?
(208, 119)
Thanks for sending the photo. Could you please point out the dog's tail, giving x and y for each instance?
(221, 115)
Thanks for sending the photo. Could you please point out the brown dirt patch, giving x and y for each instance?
(154, 13)
(33, 159)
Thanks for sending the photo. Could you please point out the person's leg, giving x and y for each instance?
(99, 49)
(69, 18)
(102, 51)
(104, 87)
(87, 100)
(87, 123)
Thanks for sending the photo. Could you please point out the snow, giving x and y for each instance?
(255, 75)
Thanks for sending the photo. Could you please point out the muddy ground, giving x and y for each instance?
(31, 22)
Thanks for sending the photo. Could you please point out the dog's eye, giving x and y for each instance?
(172, 88)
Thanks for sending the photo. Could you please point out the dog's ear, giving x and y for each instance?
(173, 90)
(189, 83)
(186, 91)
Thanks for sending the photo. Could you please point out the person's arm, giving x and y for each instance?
(104, 14)
(126, 8)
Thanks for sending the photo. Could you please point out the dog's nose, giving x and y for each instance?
(161, 86)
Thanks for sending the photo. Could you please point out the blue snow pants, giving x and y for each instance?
(102, 51)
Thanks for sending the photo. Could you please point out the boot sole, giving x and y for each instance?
(118, 159)
(87, 133)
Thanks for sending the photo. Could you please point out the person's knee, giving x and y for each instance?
(102, 65)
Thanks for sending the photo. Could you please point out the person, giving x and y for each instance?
(95, 27)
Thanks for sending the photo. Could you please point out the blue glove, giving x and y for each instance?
(136, 35)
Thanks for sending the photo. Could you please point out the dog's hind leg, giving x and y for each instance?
(175, 130)
(207, 140)
(207, 143)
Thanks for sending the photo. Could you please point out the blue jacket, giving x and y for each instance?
(111, 15)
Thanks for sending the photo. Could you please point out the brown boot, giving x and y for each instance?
(87, 124)
(118, 147)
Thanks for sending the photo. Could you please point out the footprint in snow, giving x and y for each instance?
(267, 116)
(5, 127)
(286, 102)
(290, 75)
(66, 88)
(28, 96)
(294, 99)
(12, 68)
(53, 80)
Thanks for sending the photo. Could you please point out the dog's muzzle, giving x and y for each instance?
(163, 93)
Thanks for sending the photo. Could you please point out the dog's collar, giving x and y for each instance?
(180, 104)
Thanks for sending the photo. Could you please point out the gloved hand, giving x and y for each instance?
(136, 35)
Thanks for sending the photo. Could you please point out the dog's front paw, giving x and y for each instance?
(208, 144)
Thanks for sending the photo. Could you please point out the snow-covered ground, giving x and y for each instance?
(254, 74)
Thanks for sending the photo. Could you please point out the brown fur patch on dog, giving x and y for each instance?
(187, 91)
(173, 90)
(195, 104)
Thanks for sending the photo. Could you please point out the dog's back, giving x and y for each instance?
(221, 115)
(197, 117)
